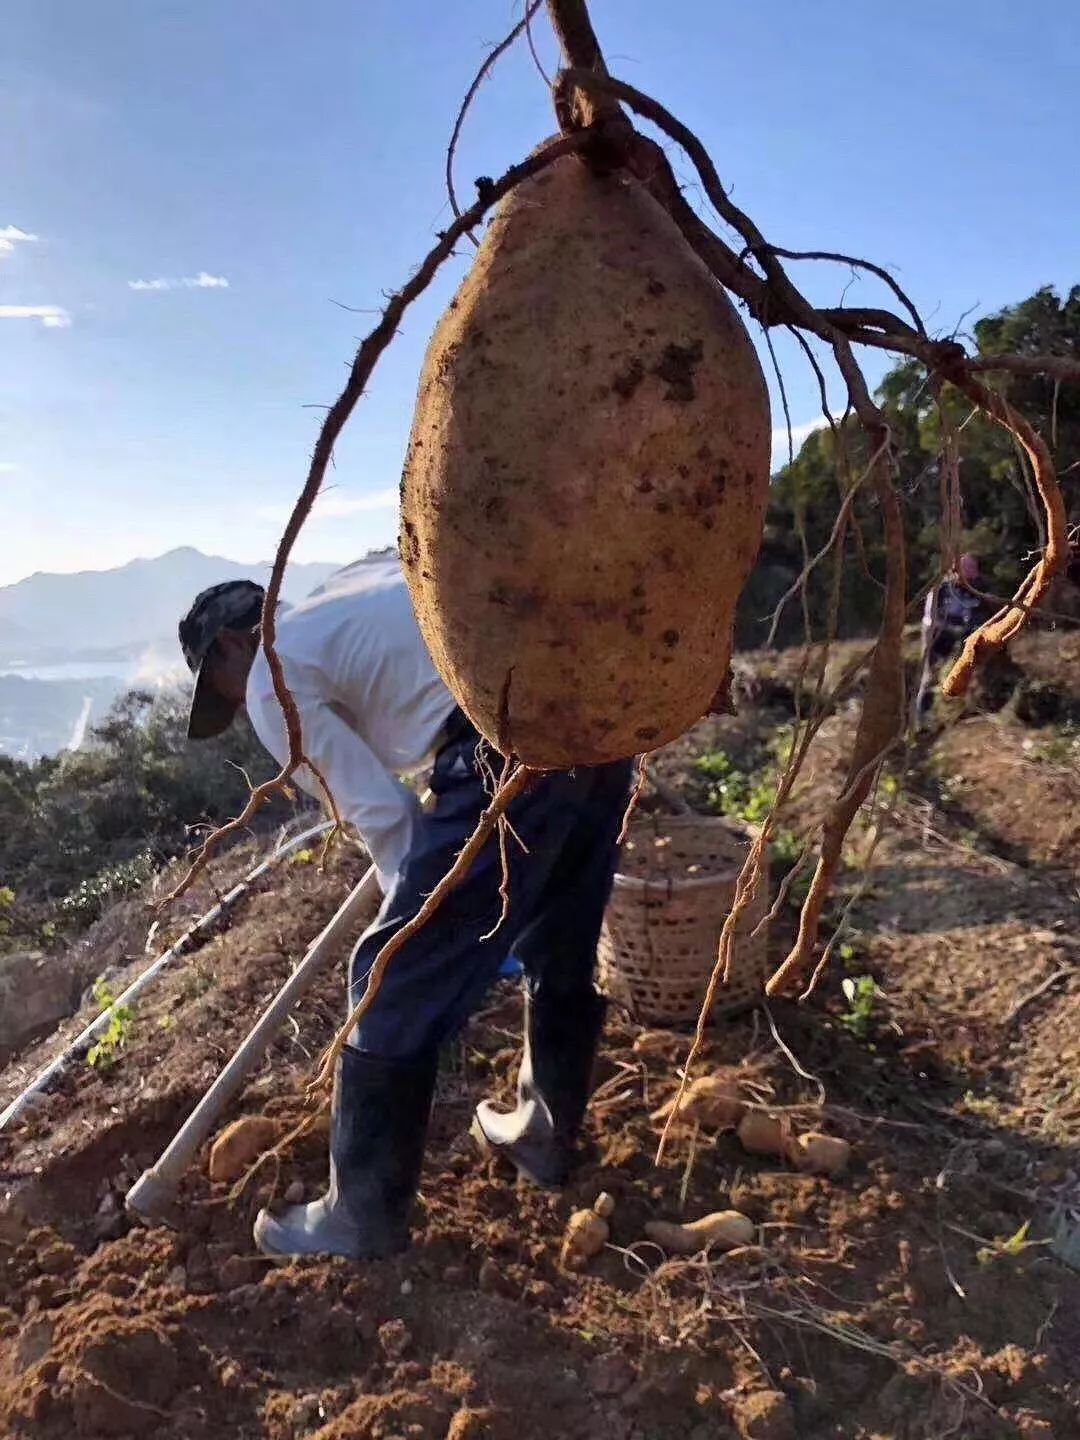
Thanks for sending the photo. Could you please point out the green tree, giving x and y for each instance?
(80, 828)
(999, 518)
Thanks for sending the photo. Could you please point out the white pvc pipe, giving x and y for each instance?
(151, 1196)
(100, 1022)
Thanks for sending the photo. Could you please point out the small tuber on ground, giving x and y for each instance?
(240, 1144)
(762, 1134)
(724, 1230)
(711, 1100)
(816, 1154)
(586, 1233)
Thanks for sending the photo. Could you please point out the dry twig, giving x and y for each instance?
(490, 61)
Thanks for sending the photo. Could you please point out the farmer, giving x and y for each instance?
(374, 708)
(952, 611)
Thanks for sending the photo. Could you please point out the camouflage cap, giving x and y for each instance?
(233, 605)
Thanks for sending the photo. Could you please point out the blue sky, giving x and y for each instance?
(261, 160)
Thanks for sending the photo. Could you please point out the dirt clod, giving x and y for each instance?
(394, 1339)
(469, 1424)
(610, 1375)
(57, 1259)
(240, 1270)
(490, 1278)
(764, 1415)
(34, 1342)
(123, 1376)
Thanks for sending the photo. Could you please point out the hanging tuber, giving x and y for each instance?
(587, 475)
(724, 1230)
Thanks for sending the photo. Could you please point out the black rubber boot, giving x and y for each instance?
(378, 1125)
(554, 1083)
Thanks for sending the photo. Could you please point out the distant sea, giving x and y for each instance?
(75, 670)
(128, 671)
(49, 707)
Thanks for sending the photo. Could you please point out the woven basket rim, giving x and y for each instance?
(697, 818)
(666, 884)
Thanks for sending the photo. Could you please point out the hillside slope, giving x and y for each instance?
(898, 1302)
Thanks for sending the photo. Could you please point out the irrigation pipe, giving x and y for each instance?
(204, 923)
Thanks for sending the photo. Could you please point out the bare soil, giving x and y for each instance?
(900, 1301)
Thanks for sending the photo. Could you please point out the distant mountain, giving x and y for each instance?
(105, 614)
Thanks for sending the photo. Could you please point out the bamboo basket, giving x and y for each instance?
(672, 893)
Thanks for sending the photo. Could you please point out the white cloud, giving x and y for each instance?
(201, 281)
(10, 236)
(53, 317)
(798, 434)
(333, 505)
(8, 467)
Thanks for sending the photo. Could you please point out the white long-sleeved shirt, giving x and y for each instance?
(371, 702)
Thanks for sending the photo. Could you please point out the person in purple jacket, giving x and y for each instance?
(952, 611)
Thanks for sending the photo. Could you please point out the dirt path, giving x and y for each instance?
(899, 1302)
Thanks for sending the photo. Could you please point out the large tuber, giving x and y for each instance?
(587, 475)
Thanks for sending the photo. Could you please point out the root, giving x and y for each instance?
(841, 926)
(951, 522)
(577, 106)
(503, 828)
(634, 800)
(531, 42)
(880, 726)
(798, 586)
(1000, 629)
(856, 264)
(508, 791)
